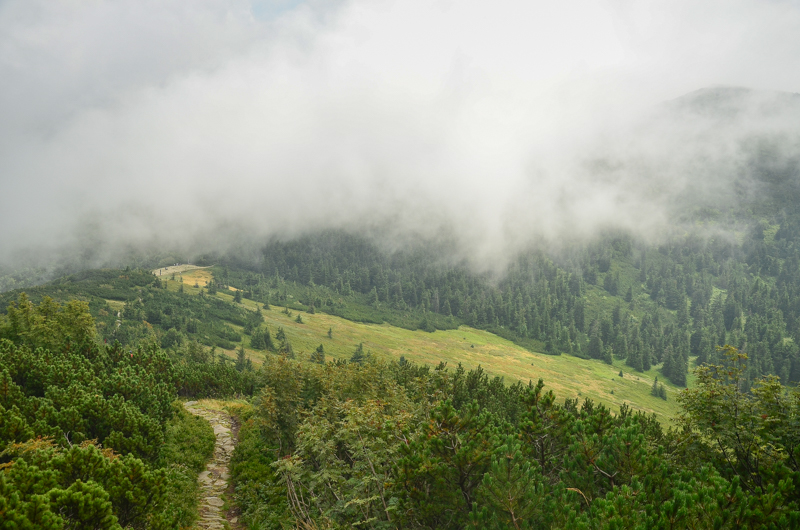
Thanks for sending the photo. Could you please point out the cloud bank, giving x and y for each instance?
(191, 123)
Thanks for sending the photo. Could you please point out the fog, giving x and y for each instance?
(197, 124)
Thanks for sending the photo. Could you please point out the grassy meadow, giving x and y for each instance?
(567, 376)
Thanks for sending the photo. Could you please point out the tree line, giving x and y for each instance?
(615, 298)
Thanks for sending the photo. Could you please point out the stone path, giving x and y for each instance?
(214, 480)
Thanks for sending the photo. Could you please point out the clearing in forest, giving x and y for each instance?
(566, 375)
(188, 272)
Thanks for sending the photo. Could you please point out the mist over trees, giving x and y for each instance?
(614, 183)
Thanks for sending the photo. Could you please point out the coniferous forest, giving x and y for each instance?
(94, 364)
(92, 440)
(399, 265)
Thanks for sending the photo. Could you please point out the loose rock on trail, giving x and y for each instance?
(214, 480)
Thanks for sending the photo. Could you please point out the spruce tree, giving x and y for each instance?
(669, 361)
(358, 356)
(646, 358)
(268, 344)
(287, 350)
(680, 369)
(257, 340)
(607, 355)
(634, 359)
(241, 359)
(596, 348)
(318, 355)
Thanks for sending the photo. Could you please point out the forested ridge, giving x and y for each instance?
(643, 303)
(617, 297)
(399, 265)
(92, 363)
(92, 440)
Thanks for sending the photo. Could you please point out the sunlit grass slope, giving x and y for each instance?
(567, 376)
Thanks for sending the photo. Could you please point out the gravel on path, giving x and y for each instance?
(214, 480)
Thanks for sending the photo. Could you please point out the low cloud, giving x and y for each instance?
(193, 124)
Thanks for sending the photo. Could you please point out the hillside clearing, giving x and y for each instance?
(567, 376)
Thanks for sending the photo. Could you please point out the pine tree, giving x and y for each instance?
(257, 341)
(646, 358)
(512, 493)
(284, 346)
(318, 355)
(241, 359)
(287, 350)
(680, 369)
(669, 360)
(268, 344)
(596, 348)
(621, 350)
(634, 359)
(608, 358)
(358, 356)
(654, 388)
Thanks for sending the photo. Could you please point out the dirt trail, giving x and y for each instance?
(214, 481)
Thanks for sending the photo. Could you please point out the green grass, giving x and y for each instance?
(567, 376)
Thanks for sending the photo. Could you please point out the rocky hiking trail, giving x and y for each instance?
(214, 481)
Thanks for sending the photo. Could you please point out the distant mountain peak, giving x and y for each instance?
(729, 102)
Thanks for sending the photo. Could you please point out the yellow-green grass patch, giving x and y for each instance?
(567, 376)
(199, 276)
(116, 305)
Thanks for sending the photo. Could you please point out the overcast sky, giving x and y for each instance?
(133, 121)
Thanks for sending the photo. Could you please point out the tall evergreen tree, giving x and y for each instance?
(596, 347)
(358, 356)
(318, 355)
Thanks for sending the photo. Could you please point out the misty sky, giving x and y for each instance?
(165, 121)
